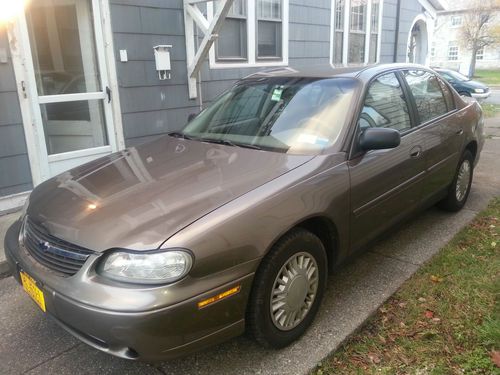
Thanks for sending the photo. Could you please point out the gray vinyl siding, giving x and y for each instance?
(151, 107)
(15, 174)
(409, 10)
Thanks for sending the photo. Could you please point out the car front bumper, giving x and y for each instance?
(480, 96)
(154, 333)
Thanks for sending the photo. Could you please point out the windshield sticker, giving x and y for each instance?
(277, 95)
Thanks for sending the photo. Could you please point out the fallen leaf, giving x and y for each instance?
(493, 244)
(374, 358)
(422, 299)
(495, 357)
(402, 304)
(429, 314)
(402, 325)
(436, 279)
(436, 320)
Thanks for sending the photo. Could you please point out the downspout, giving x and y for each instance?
(396, 36)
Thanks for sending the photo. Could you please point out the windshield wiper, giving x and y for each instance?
(179, 135)
(229, 143)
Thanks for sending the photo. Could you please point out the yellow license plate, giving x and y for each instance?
(32, 289)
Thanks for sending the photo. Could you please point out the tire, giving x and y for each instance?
(457, 196)
(465, 93)
(273, 330)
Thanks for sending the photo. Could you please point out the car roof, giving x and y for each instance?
(327, 71)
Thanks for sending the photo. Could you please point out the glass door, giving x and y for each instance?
(71, 109)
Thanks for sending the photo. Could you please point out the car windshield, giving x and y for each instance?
(457, 76)
(285, 114)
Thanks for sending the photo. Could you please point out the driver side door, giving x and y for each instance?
(386, 185)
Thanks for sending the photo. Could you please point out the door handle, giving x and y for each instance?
(108, 93)
(460, 132)
(415, 152)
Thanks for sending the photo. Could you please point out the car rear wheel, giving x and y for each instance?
(459, 189)
(288, 289)
(465, 93)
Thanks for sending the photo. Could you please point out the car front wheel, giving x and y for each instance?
(288, 289)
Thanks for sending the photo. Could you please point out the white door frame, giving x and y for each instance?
(29, 99)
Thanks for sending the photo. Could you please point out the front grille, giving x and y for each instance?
(54, 253)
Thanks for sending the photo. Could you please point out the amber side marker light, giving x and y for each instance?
(219, 297)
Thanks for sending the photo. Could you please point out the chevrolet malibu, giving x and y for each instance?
(234, 222)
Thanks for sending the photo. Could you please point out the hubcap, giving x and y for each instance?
(463, 180)
(294, 291)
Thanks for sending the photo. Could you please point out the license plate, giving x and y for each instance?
(32, 289)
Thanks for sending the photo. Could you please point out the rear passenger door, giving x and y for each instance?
(385, 184)
(442, 136)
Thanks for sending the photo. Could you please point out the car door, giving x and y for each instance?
(385, 184)
(441, 130)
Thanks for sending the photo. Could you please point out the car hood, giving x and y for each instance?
(139, 197)
(474, 84)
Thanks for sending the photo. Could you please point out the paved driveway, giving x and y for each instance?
(32, 343)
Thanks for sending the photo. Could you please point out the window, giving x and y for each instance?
(339, 31)
(254, 33)
(426, 90)
(452, 51)
(269, 25)
(232, 41)
(385, 106)
(480, 54)
(361, 20)
(374, 31)
(357, 31)
(456, 21)
(448, 96)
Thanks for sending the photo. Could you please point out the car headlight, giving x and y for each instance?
(155, 267)
(479, 91)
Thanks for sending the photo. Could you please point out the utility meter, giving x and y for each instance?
(162, 59)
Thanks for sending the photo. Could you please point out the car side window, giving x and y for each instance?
(385, 106)
(426, 90)
(448, 96)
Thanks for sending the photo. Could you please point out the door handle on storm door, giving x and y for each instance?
(108, 93)
(415, 152)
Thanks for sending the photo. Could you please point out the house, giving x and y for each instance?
(448, 49)
(80, 79)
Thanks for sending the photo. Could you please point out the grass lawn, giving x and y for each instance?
(488, 77)
(444, 320)
(490, 110)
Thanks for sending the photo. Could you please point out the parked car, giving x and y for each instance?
(234, 222)
(464, 85)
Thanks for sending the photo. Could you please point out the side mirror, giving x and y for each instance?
(379, 138)
(192, 116)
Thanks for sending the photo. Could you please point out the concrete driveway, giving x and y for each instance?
(494, 97)
(32, 343)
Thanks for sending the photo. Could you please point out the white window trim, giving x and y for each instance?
(251, 41)
(346, 31)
